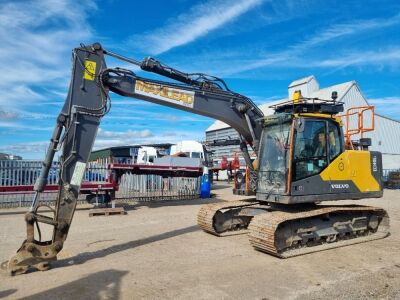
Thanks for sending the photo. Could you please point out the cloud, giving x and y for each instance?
(133, 113)
(346, 29)
(23, 127)
(389, 106)
(310, 52)
(37, 37)
(187, 27)
(8, 115)
(129, 134)
(262, 100)
(13, 94)
(388, 56)
(385, 100)
(297, 54)
(36, 149)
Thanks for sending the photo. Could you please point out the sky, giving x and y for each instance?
(257, 46)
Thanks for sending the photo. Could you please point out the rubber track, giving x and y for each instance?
(263, 229)
(205, 217)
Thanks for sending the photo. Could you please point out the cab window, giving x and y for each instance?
(334, 141)
(311, 148)
(195, 154)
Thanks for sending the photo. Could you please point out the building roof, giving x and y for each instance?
(341, 90)
(267, 110)
(301, 81)
(324, 93)
(217, 125)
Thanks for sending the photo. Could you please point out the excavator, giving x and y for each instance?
(301, 153)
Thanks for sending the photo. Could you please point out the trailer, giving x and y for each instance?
(103, 183)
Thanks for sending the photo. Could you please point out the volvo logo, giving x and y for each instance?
(340, 186)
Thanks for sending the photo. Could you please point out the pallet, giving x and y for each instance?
(243, 192)
(106, 211)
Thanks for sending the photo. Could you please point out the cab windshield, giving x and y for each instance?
(274, 158)
(274, 151)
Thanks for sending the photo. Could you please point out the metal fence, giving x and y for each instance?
(25, 172)
(132, 187)
(24, 199)
(155, 187)
(20, 172)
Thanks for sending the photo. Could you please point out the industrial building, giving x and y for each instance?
(385, 137)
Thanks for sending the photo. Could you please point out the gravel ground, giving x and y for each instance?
(157, 251)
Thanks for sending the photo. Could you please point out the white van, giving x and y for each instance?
(191, 149)
(144, 155)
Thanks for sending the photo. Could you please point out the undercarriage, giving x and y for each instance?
(286, 231)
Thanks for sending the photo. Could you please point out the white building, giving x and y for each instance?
(385, 137)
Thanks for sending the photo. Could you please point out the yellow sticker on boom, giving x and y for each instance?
(90, 70)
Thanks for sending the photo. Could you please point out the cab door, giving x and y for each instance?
(335, 148)
(317, 145)
(310, 151)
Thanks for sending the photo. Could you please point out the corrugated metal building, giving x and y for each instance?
(385, 137)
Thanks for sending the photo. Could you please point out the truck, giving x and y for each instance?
(144, 155)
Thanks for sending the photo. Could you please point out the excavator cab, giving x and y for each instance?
(303, 157)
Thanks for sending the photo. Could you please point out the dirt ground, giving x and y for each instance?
(157, 251)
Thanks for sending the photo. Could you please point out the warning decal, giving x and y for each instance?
(90, 70)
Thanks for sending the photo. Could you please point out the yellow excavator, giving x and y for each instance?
(304, 159)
